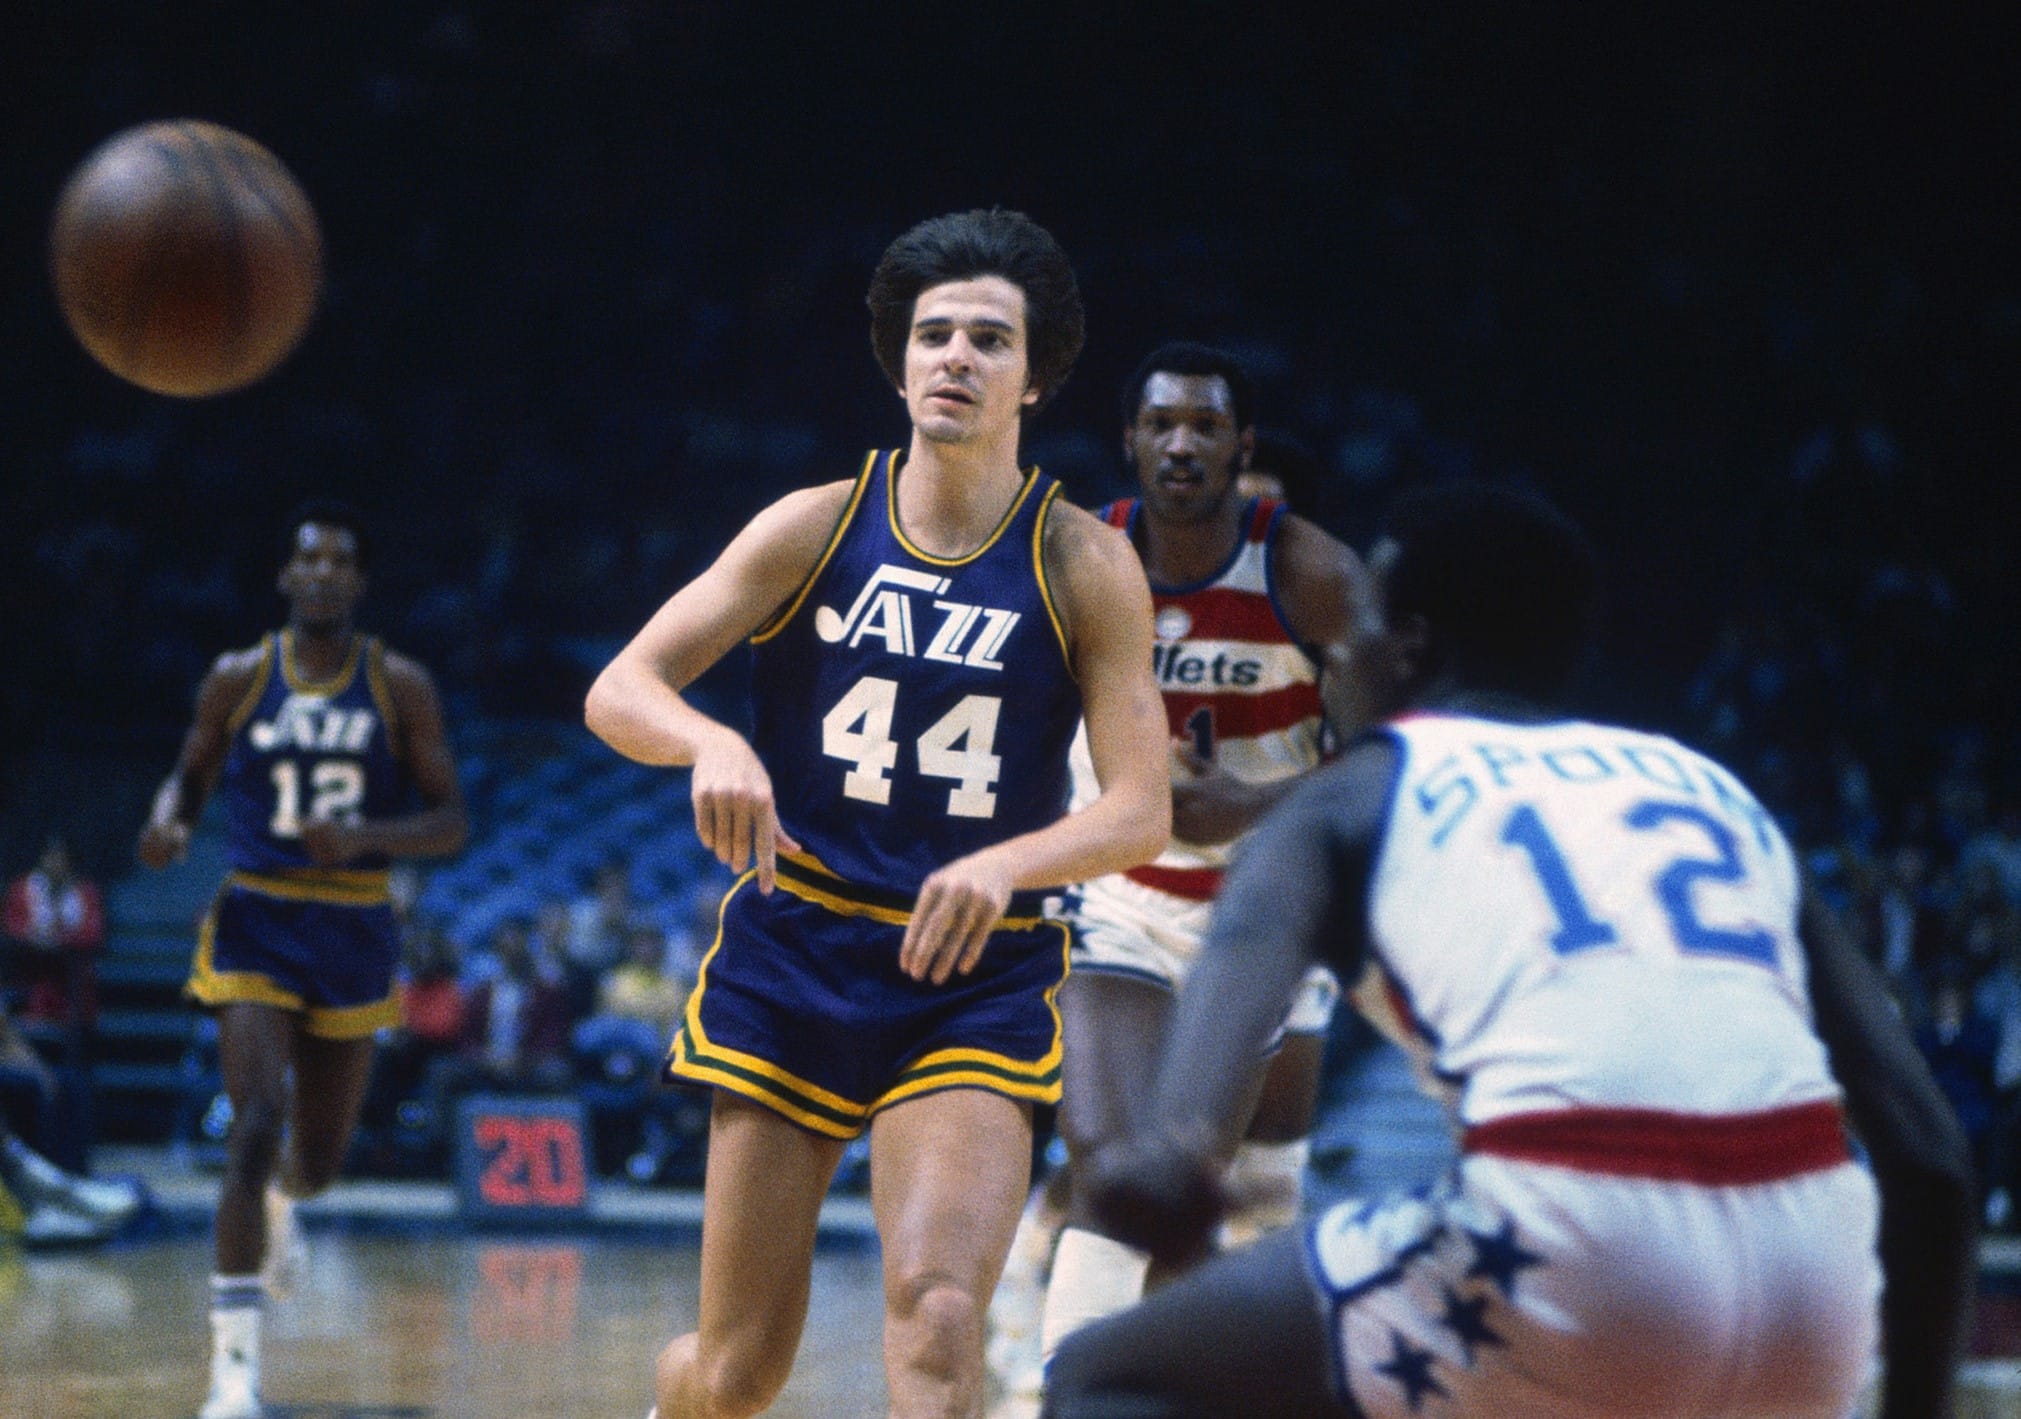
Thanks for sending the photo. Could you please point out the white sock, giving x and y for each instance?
(1093, 1276)
(235, 1327)
(1265, 1184)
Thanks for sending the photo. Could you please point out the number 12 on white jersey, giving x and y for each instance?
(959, 746)
(1674, 886)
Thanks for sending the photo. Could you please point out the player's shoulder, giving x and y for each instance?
(241, 664)
(1073, 532)
(1318, 579)
(1092, 570)
(1090, 564)
(803, 519)
(404, 671)
(233, 678)
(1304, 548)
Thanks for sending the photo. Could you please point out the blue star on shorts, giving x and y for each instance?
(1500, 1256)
(1411, 1368)
(1466, 1320)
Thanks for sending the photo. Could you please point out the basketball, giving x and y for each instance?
(185, 258)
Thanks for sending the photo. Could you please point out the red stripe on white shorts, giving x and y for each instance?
(1718, 1150)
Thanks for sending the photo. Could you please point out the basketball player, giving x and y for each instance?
(925, 637)
(1240, 588)
(333, 760)
(1596, 944)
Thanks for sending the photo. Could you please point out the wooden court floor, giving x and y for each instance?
(438, 1323)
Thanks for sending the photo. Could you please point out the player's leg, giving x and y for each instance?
(761, 1201)
(1290, 1095)
(1114, 1028)
(255, 1051)
(1266, 1180)
(1243, 1334)
(948, 1176)
(331, 1080)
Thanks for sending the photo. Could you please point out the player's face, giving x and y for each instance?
(966, 365)
(1364, 676)
(322, 579)
(1185, 446)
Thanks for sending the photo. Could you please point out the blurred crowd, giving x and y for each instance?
(582, 996)
(1844, 694)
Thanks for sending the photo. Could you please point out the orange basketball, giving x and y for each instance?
(185, 258)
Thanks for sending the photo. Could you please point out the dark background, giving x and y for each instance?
(1737, 288)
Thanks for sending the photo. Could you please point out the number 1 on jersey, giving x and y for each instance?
(336, 788)
(1577, 927)
(1673, 886)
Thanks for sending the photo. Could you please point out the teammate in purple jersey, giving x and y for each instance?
(924, 635)
(331, 759)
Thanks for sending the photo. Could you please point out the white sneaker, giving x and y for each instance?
(113, 1201)
(43, 1181)
(234, 1395)
(50, 1224)
(287, 1259)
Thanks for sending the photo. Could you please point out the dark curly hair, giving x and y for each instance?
(963, 245)
(1189, 357)
(1508, 583)
(325, 512)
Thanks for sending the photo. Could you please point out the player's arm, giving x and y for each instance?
(1298, 893)
(636, 705)
(179, 802)
(441, 826)
(1922, 1164)
(1105, 606)
(1318, 580)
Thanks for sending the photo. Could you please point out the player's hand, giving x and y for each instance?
(958, 907)
(1156, 1194)
(1209, 804)
(163, 843)
(735, 816)
(331, 842)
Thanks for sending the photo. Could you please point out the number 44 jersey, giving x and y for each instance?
(1574, 916)
(912, 709)
(304, 750)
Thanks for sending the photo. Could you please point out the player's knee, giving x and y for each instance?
(720, 1383)
(255, 1139)
(937, 1323)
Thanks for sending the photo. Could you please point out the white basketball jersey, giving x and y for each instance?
(1573, 915)
(1236, 683)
